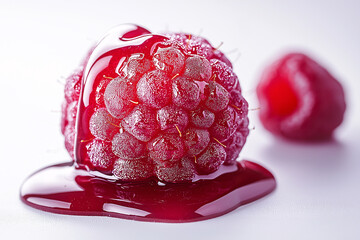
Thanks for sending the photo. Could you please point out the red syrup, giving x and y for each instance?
(108, 60)
(77, 188)
(67, 189)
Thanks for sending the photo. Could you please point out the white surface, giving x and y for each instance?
(318, 192)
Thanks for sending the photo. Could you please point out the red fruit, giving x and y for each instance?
(151, 106)
(223, 74)
(225, 125)
(299, 99)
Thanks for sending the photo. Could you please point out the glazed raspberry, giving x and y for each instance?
(136, 67)
(64, 120)
(69, 134)
(72, 85)
(71, 112)
(197, 45)
(299, 99)
(100, 91)
(162, 107)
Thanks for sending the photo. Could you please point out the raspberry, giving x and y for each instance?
(71, 112)
(69, 134)
(236, 142)
(223, 74)
(239, 103)
(299, 99)
(225, 125)
(136, 67)
(100, 91)
(72, 86)
(162, 107)
(63, 120)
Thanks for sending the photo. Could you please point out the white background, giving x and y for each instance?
(318, 193)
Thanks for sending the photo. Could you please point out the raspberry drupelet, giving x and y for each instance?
(154, 106)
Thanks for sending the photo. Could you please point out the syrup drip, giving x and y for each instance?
(107, 59)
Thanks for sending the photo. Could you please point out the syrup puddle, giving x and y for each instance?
(65, 189)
